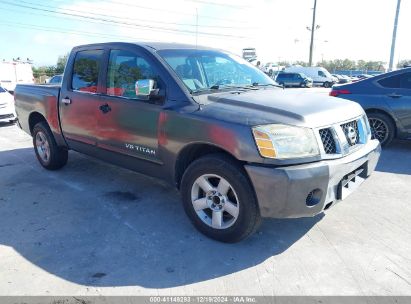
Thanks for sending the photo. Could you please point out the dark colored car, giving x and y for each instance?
(237, 146)
(342, 78)
(288, 79)
(386, 99)
(56, 79)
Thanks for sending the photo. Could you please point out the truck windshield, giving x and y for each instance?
(202, 70)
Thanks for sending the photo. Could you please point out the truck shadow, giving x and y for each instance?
(98, 225)
(396, 158)
(6, 124)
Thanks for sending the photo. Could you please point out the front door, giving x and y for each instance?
(79, 98)
(397, 90)
(128, 124)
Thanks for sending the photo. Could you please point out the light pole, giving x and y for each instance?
(394, 36)
(313, 28)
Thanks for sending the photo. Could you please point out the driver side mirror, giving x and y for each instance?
(146, 88)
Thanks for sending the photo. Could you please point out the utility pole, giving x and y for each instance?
(196, 27)
(394, 36)
(310, 61)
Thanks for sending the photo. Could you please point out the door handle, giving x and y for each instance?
(393, 95)
(66, 101)
(105, 108)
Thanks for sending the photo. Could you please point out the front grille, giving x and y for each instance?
(6, 116)
(328, 141)
(351, 132)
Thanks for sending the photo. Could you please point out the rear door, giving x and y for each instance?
(128, 124)
(397, 94)
(80, 99)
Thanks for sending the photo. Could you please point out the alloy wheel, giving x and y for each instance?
(215, 201)
(43, 147)
(379, 129)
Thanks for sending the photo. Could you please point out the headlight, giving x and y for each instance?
(282, 141)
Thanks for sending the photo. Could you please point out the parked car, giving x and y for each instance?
(272, 68)
(56, 79)
(238, 147)
(341, 78)
(364, 76)
(7, 112)
(293, 80)
(386, 98)
(319, 75)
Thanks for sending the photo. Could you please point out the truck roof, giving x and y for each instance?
(157, 46)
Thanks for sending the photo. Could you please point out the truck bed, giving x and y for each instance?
(43, 99)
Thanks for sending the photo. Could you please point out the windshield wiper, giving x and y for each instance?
(214, 88)
(256, 84)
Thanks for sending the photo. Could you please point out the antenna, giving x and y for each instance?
(196, 26)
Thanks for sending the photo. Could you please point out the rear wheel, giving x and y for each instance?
(50, 156)
(382, 128)
(219, 199)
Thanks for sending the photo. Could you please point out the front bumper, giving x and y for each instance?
(7, 113)
(284, 192)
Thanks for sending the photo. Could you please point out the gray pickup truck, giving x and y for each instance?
(238, 147)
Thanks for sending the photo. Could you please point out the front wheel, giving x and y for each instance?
(49, 155)
(382, 128)
(219, 199)
(327, 84)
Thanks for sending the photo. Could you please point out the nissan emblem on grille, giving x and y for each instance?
(351, 132)
(351, 135)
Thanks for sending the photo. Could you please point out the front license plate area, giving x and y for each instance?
(351, 182)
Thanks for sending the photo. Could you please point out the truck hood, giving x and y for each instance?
(272, 105)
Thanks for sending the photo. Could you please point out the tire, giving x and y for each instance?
(234, 193)
(49, 155)
(382, 127)
(327, 84)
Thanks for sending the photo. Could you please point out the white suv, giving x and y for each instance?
(7, 111)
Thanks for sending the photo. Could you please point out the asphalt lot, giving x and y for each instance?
(95, 229)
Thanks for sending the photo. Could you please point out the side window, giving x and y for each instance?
(406, 81)
(321, 74)
(124, 70)
(391, 82)
(85, 71)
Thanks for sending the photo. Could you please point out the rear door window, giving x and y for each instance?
(401, 81)
(86, 70)
(391, 82)
(406, 81)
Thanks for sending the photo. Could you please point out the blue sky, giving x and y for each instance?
(355, 29)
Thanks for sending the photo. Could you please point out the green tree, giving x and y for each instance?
(284, 63)
(403, 63)
(61, 63)
(302, 63)
(337, 64)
